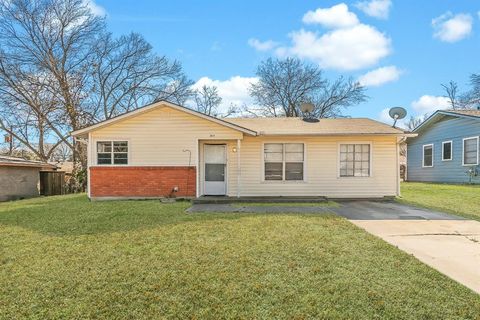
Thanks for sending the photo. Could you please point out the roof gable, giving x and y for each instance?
(156, 105)
(439, 114)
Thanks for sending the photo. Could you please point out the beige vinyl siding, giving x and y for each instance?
(158, 137)
(321, 169)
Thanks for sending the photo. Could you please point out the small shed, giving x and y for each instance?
(20, 178)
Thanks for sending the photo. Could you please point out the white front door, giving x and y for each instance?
(215, 159)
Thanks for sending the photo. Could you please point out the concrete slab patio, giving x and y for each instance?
(273, 208)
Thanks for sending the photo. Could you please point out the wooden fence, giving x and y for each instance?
(52, 183)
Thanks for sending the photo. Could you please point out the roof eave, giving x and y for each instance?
(30, 165)
(443, 112)
(401, 134)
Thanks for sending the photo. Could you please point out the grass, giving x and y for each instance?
(462, 200)
(65, 257)
(327, 204)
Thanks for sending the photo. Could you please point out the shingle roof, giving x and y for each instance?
(475, 113)
(271, 126)
(19, 162)
(296, 126)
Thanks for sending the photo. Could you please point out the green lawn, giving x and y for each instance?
(463, 200)
(64, 257)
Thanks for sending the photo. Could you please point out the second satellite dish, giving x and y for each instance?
(307, 109)
(397, 113)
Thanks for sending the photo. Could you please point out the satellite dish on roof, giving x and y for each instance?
(397, 113)
(307, 109)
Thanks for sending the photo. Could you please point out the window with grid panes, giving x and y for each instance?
(354, 160)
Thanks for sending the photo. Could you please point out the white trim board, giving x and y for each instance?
(423, 155)
(451, 150)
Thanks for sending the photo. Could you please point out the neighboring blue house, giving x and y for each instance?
(446, 148)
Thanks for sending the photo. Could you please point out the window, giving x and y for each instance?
(283, 161)
(446, 150)
(428, 155)
(354, 160)
(470, 151)
(112, 152)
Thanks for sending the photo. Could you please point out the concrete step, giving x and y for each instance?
(226, 200)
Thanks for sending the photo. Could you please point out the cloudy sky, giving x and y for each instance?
(402, 50)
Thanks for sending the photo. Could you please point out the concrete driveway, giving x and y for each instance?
(447, 243)
(370, 210)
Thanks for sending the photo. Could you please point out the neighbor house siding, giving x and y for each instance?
(448, 129)
(19, 182)
(321, 168)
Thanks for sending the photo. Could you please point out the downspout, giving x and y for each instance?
(398, 164)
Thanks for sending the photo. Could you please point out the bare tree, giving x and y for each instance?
(46, 45)
(60, 71)
(177, 91)
(472, 97)
(335, 96)
(127, 75)
(207, 100)
(285, 84)
(451, 92)
(60, 153)
(413, 122)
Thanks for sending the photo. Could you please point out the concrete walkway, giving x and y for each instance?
(450, 246)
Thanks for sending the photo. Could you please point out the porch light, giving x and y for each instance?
(234, 149)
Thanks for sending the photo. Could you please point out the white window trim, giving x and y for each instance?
(423, 155)
(338, 159)
(95, 148)
(451, 150)
(283, 166)
(463, 152)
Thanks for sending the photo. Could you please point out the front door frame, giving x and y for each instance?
(225, 145)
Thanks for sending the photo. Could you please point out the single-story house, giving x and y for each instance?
(446, 148)
(164, 149)
(20, 178)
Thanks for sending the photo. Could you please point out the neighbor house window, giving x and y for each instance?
(112, 152)
(470, 151)
(283, 161)
(428, 155)
(354, 160)
(447, 150)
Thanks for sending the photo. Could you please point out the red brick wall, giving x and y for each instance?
(142, 181)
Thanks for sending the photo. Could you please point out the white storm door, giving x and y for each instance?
(215, 159)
